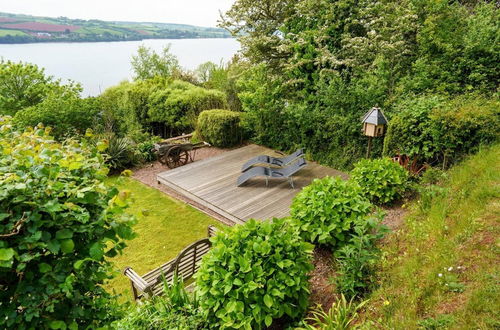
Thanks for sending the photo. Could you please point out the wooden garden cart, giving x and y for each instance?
(176, 152)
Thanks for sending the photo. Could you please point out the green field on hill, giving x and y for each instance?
(16, 28)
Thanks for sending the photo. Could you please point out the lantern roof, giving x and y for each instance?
(374, 116)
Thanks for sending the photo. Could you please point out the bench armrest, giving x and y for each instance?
(212, 231)
(136, 279)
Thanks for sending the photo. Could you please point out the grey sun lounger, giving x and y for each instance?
(264, 159)
(267, 172)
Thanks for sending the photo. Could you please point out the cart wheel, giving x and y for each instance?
(176, 157)
(163, 159)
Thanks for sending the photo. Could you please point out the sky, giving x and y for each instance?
(193, 12)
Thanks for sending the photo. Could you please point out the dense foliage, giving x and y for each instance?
(318, 66)
(176, 309)
(179, 105)
(160, 105)
(442, 131)
(67, 114)
(220, 128)
(328, 210)
(23, 85)
(59, 226)
(255, 273)
(381, 180)
(357, 259)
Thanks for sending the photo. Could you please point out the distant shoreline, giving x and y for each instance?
(26, 29)
(59, 41)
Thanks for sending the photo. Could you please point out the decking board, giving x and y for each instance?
(212, 183)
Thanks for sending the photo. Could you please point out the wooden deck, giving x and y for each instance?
(212, 183)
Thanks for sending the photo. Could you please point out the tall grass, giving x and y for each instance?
(441, 269)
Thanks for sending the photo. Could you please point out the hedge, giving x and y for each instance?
(179, 105)
(220, 128)
(442, 131)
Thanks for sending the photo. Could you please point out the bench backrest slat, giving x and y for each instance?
(185, 264)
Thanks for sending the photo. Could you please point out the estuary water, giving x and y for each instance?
(99, 65)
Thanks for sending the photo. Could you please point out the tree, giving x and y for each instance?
(204, 71)
(148, 64)
(23, 85)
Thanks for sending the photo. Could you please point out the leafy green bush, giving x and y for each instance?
(148, 64)
(146, 148)
(357, 259)
(179, 105)
(175, 309)
(68, 115)
(160, 106)
(220, 128)
(24, 85)
(60, 226)
(382, 180)
(255, 273)
(125, 106)
(409, 132)
(328, 210)
(442, 131)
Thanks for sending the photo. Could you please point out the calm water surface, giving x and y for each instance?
(98, 65)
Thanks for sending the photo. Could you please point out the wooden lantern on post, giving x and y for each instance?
(374, 123)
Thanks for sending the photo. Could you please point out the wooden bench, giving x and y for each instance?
(185, 264)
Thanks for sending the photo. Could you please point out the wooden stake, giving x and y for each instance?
(369, 147)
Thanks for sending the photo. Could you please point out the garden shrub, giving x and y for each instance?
(381, 180)
(125, 106)
(327, 211)
(121, 153)
(159, 105)
(220, 128)
(179, 105)
(409, 132)
(255, 273)
(60, 225)
(68, 115)
(442, 131)
(357, 259)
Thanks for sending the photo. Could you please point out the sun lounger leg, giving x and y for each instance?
(290, 179)
(267, 182)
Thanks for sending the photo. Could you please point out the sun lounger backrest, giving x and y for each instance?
(292, 169)
(288, 159)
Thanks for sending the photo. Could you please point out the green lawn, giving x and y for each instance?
(167, 228)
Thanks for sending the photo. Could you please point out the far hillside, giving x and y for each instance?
(16, 28)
